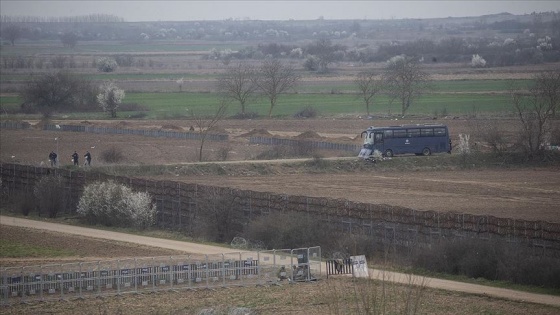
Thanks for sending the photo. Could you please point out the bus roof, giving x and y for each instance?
(408, 126)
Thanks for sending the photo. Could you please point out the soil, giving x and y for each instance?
(301, 298)
(528, 194)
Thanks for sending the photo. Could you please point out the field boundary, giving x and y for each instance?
(387, 225)
(121, 131)
(306, 142)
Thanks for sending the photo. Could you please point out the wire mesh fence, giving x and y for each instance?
(152, 274)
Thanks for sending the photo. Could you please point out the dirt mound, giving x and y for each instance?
(309, 135)
(85, 122)
(216, 129)
(171, 127)
(256, 132)
(121, 124)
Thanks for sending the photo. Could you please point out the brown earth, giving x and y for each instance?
(437, 296)
(529, 194)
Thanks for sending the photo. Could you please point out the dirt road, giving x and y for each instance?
(207, 249)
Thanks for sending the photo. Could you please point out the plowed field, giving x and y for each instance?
(529, 194)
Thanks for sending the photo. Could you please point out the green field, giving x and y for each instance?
(177, 105)
(16, 250)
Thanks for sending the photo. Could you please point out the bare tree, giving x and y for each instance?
(52, 91)
(405, 80)
(219, 215)
(204, 124)
(324, 51)
(238, 83)
(368, 87)
(547, 89)
(274, 79)
(69, 39)
(535, 111)
(12, 32)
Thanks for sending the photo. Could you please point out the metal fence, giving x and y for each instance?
(119, 131)
(311, 143)
(178, 205)
(152, 274)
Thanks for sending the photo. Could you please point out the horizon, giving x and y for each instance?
(178, 11)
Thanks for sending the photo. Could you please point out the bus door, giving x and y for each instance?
(379, 144)
(367, 148)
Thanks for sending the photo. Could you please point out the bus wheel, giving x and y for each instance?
(388, 153)
(426, 152)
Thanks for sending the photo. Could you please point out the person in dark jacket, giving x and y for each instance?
(88, 158)
(75, 157)
(52, 158)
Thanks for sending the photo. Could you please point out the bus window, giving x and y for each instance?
(369, 138)
(429, 132)
(413, 133)
(399, 133)
(388, 134)
(439, 132)
(378, 137)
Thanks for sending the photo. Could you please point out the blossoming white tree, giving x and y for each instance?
(113, 204)
(110, 98)
(478, 62)
(106, 64)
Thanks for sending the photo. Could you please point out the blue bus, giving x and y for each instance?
(418, 139)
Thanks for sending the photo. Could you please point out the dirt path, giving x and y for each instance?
(207, 249)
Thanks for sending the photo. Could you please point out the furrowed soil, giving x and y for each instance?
(516, 193)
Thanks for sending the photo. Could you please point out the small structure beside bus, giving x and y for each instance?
(420, 139)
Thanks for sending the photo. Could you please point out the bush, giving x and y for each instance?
(478, 62)
(288, 230)
(111, 155)
(50, 195)
(308, 112)
(113, 204)
(106, 64)
(222, 153)
(248, 115)
(24, 203)
(492, 260)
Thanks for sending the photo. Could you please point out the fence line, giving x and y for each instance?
(312, 143)
(324, 145)
(152, 274)
(120, 131)
(178, 207)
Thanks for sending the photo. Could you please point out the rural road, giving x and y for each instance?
(208, 250)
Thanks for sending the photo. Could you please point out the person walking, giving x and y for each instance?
(52, 158)
(75, 157)
(88, 159)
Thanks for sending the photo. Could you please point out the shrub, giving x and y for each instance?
(478, 62)
(106, 64)
(247, 115)
(50, 195)
(113, 204)
(288, 230)
(308, 112)
(222, 153)
(492, 260)
(111, 155)
(23, 203)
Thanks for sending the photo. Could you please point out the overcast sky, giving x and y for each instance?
(163, 10)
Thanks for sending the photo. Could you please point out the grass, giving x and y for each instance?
(182, 105)
(18, 250)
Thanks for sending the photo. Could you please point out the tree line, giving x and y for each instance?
(90, 18)
(403, 79)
